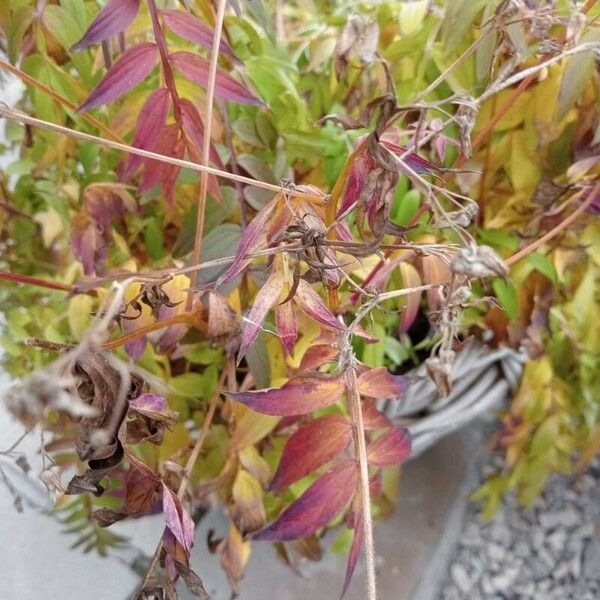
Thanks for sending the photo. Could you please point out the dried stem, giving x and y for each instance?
(28, 280)
(210, 95)
(365, 493)
(21, 117)
(556, 230)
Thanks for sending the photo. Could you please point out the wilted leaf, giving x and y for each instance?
(322, 501)
(267, 296)
(390, 449)
(410, 278)
(134, 65)
(177, 519)
(300, 395)
(313, 306)
(309, 448)
(248, 511)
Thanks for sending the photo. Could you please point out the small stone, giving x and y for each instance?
(537, 538)
(591, 559)
(522, 550)
(461, 577)
(564, 518)
(557, 541)
(575, 565)
(486, 586)
(584, 531)
(496, 552)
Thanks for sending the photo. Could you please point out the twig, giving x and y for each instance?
(210, 95)
(556, 230)
(28, 280)
(358, 434)
(21, 117)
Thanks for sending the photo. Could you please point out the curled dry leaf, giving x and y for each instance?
(360, 38)
(317, 442)
(51, 478)
(479, 261)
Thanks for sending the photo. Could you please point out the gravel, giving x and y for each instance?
(551, 551)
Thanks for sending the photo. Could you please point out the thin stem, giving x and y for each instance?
(21, 117)
(210, 95)
(556, 230)
(28, 280)
(365, 493)
(164, 58)
(185, 318)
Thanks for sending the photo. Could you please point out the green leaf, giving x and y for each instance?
(507, 296)
(544, 265)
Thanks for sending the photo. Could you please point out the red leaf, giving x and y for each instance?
(142, 489)
(133, 67)
(192, 29)
(322, 501)
(390, 449)
(149, 124)
(354, 552)
(311, 447)
(313, 306)
(194, 130)
(412, 159)
(267, 296)
(195, 68)
(300, 395)
(178, 520)
(380, 383)
(317, 356)
(285, 322)
(372, 418)
(116, 16)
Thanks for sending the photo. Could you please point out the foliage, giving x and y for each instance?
(367, 170)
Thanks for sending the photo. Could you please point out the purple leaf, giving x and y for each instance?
(192, 29)
(149, 124)
(300, 395)
(317, 443)
(254, 238)
(354, 552)
(322, 501)
(115, 17)
(149, 402)
(313, 306)
(412, 159)
(195, 68)
(390, 449)
(177, 519)
(133, 67)
(267, 296)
